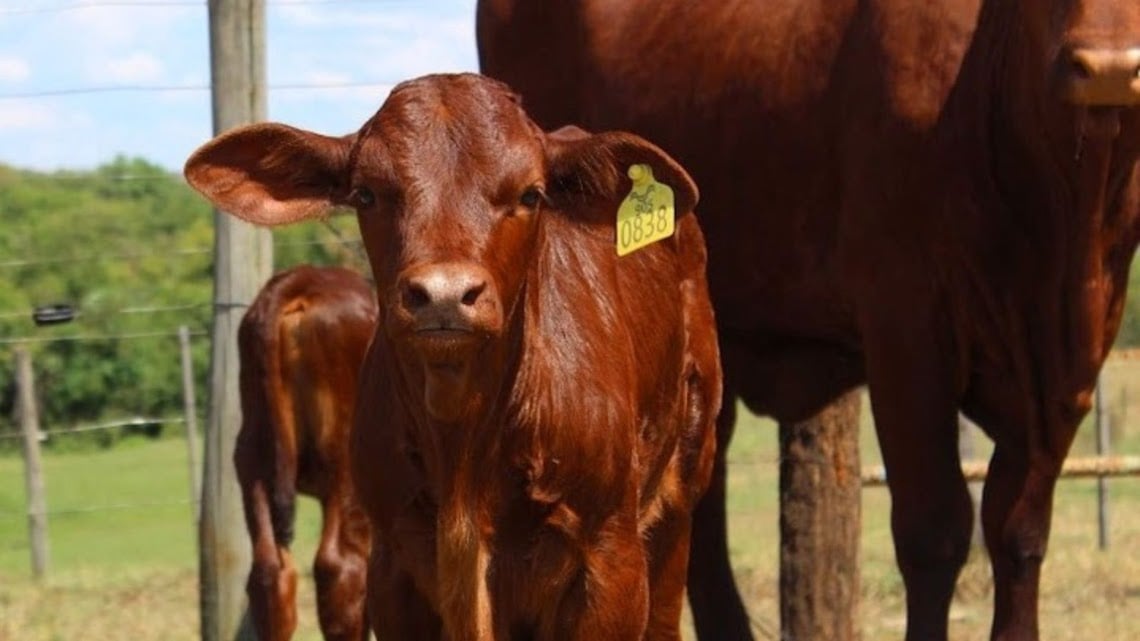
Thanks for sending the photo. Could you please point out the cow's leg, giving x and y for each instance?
(718, 611)
(915, 407)
(1017, 507)
(668, 544)
(340, 569)
(272, 584)
(397, 611)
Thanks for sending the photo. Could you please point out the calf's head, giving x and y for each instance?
(453, 186)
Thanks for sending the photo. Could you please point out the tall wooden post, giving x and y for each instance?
(243, 260)
(820, 483)
(190, 411)
(33, 473)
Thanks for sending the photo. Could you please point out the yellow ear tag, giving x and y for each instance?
(647, 214)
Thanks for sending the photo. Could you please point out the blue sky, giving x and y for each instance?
(52, 46)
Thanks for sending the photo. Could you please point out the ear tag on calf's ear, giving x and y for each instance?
(647, 213)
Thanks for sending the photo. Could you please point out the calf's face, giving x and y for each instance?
(451, 183)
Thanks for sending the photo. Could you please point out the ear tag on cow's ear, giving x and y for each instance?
(647, 213)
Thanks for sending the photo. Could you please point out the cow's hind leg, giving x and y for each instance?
(718, 611)
(340, 571)
(1016, 510)
(915, 409)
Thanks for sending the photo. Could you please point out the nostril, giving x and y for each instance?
(415, 296)
(1080, 69)
(472, 294)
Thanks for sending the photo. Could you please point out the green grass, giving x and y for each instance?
(1086, 592)
(139, 551)
(131, 572)
(122, 508)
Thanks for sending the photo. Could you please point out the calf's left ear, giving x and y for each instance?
(271, 174)
(586, 168)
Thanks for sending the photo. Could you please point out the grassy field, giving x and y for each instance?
(123, 560)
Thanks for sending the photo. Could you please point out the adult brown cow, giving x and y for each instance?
(937, 198)
(536, 413)
(301, 344)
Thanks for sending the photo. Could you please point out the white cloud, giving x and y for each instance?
(390, 49)
(14, 69)
(138, 66)
(330, 87)
(24, 115)
(325, 44)
(326, 16)
(327, 78)
(123, 27)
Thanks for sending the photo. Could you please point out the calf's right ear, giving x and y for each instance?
(271, 174)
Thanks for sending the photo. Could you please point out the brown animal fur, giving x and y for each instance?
(937, 198)
(536, 415)
(301, 344)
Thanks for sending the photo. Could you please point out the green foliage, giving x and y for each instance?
(129, 245)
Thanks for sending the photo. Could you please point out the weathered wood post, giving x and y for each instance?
(820, 510)
(33, 472)
(243, 260)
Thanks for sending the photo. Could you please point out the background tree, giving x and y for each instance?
(128, 244)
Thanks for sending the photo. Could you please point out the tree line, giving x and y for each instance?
(128, 246)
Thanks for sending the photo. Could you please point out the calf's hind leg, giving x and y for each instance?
(272, 584)
(340, 571)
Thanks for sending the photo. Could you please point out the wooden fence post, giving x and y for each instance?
(243, 261)
(820, 512)
(190, 410)
(33, 473)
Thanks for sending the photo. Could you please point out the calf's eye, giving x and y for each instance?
(361, 197)
(531, 198)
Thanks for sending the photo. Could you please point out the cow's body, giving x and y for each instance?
(536, 413)
(937, 198)
(301, 344)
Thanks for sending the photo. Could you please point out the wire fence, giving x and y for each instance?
(38, 513)
(78, 429)
(1125, 373)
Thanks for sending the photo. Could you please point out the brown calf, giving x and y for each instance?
(536, 413)
(939, 198)
(301, 344)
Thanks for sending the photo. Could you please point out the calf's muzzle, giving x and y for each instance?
(449, 297)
